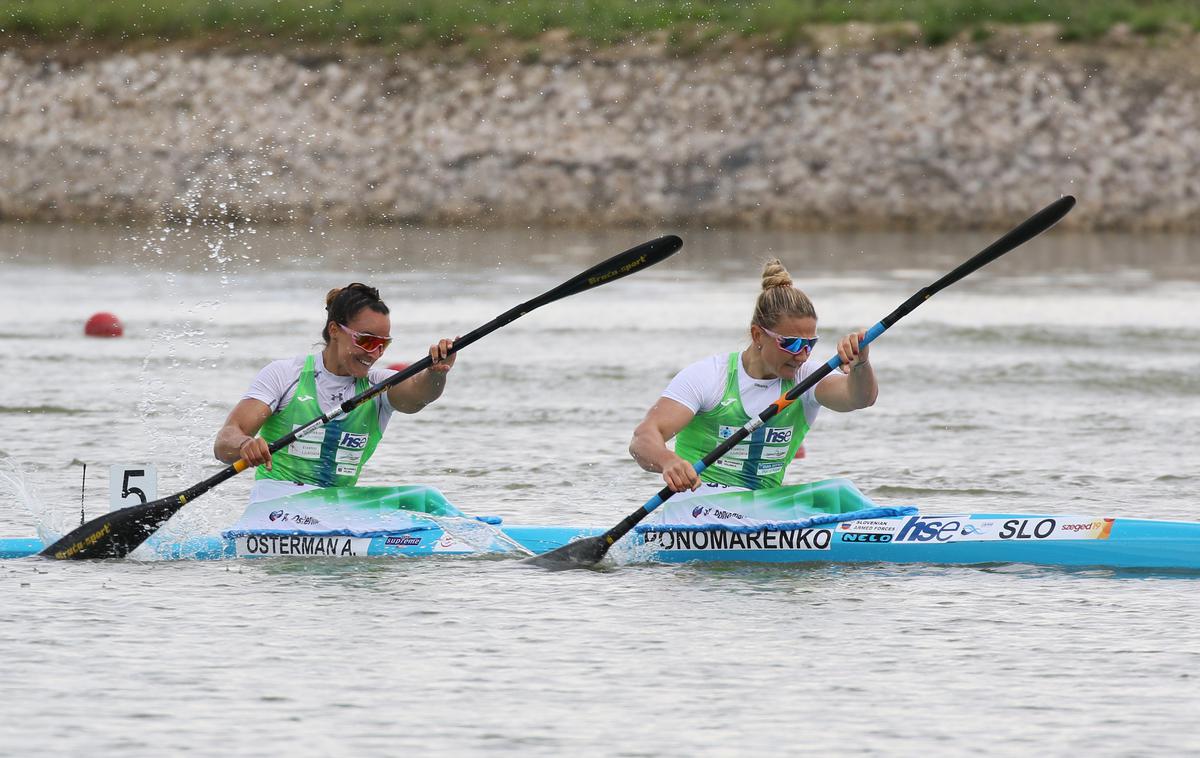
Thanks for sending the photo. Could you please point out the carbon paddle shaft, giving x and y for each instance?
(117, 534)
(588, 551)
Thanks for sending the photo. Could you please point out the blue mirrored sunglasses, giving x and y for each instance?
(793, 345)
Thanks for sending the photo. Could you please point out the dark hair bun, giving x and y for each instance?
(357, 290)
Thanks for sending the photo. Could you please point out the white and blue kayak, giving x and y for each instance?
(814, 523)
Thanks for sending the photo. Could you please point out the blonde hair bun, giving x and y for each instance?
(780, 298)
(775, 275)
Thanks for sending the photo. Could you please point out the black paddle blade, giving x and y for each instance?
(583, 553)
(116, 534)
(619, 266)
(1017, 236)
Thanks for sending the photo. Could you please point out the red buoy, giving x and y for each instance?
(397, 366)
(103, 324)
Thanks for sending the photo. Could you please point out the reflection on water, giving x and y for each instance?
(477, 252)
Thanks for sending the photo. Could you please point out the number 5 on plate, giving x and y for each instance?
(131, 484)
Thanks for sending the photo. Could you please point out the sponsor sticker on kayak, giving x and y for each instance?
(448, 543)
(301, 544)
(402, 540)
(871, 526)
(722, 539)
(926, 529)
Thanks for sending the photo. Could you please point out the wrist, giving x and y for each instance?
(657, 461)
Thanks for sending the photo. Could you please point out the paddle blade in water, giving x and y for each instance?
(113, 535)
(584, 553)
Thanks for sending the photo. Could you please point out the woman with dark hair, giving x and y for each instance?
(710, 400)
(291, 392)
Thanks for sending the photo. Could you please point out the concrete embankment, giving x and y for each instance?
(829, 137)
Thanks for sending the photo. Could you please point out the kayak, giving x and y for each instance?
(823, 522)
(1048, 540)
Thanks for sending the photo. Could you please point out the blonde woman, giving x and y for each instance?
(711, 399)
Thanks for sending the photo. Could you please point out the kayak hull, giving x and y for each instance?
(998, 539)
(948, 540)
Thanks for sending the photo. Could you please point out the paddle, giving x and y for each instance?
(116, 534)
(589, 551)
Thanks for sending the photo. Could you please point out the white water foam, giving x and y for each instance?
(177, 420)
(485, 538)
(49, 522)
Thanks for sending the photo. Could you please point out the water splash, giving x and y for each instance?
(205, 230)
(479, 536)
(630, 551)
(17, 485)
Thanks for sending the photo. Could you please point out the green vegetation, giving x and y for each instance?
(416, 23)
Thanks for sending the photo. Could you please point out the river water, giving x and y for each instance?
(1063, 378)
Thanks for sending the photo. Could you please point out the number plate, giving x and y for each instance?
(131, 484)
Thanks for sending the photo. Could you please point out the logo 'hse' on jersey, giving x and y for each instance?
(764, 452)
(778, 435)
(353, 441)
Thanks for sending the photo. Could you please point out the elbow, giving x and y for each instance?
(218, 445)
(868, 400)
(635, 448)
(409, 404)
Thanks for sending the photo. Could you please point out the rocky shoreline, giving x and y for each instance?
(834, 136)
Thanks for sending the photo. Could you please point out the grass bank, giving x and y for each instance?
(422, 23)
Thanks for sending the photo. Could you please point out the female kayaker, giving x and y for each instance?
(291, 392)
(716, 396)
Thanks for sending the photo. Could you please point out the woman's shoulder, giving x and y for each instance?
(699, 385)
(296, 362)
(714, 362)
(710, 365)
(704, 374)
(273, 380)
(284, 367)
(379, 374)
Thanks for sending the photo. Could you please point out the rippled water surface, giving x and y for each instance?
(1062, 379)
